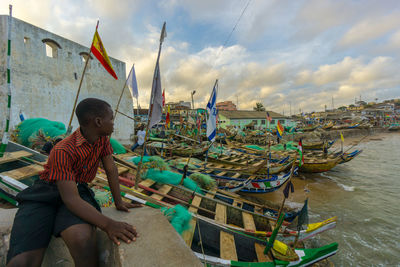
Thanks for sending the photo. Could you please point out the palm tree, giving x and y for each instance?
(259, 107)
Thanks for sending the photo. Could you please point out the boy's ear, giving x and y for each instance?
(98, 121)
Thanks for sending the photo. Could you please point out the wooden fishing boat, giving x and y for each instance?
(244, 215)
(215, 206)
(346, 157)
(316, 165)
(308, 128)
(328, 126)
(161, 149)
(216, 243)
(317, 145)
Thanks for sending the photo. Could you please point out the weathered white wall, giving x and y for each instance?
(46, 87)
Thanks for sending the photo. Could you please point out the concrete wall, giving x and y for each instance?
(45, 87)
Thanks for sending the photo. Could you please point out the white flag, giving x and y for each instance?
(156, 95)
(132, 83)
(212, 114)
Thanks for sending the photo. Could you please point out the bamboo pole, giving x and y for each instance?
(289, 180)
(156, 70)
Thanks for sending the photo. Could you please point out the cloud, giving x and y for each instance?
(370, 28)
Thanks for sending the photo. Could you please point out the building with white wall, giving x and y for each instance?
(45, 73)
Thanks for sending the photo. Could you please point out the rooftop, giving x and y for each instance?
(248, 114)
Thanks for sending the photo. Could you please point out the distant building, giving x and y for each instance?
(242, 118)
(226, 105)
(181, 105)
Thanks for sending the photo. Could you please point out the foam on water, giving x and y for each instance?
(346, 188)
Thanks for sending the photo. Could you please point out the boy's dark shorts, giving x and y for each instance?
(42, 214)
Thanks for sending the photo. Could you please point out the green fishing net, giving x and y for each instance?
(204, 181)
(102, 197)
(117, 147)
(36, 132)
(156, 169)
(179, 217)
(255, 147)
(280, 147)
(181, 162)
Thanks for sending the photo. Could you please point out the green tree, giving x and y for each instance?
(259, 107)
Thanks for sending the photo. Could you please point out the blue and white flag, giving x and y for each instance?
(132, 83)
(212, 114)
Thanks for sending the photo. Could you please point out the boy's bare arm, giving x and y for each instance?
(112, 176)
(115, 230)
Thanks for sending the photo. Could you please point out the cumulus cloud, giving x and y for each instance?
(282, 53)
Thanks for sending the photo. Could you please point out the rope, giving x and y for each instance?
(201, 242)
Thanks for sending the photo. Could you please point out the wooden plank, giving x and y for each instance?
(248, 221)
(227, 246)
(122, 169)
(146, 183)
(188, 234)
(196, 202)
(234, 160)
(221, 174)
(220, 213)
(236, 175)
(24, 172)
(163, 190)
(261, 257)
(13, 156)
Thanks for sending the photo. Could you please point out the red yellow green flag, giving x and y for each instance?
(100, 53)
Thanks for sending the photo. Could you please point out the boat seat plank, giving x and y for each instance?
(221, 174)
(227, 246)
(261, 257)
(13, 156)
(248, 221)
(236, 175)
(220, 213)
(24, 172)
(234, 160)
(146, 183)
(188, 234)
(196, 202)
(163, 190)
(122, 169)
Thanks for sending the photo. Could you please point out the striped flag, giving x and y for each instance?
(280, 130)
(100, 53)
(300, 150)
(163, 98)
(269, 117)
(341, 136)
(212, 114)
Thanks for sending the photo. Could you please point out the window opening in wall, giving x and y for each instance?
(26, 41)
(85, 56)
(262, 121)
(51, 48)
(272, 121)
(282, 121)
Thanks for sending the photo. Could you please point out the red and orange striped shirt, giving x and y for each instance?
(74, 159)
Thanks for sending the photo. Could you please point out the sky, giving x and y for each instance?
(288, 55)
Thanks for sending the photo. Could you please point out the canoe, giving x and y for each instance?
(315, 165)
(161, 149)
(217, 207)
(317, 145)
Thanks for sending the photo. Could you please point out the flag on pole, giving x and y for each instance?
(167, 120)
(269, 117)
(156, 96)
(302, 217)
(341, 136)
(212, 114)
(300, 151)
(163, 98)
(100, 53)
(280, 130)
(132, 83)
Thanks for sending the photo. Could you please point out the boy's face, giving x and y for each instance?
(107, 123)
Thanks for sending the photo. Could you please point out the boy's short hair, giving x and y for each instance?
(90, 108)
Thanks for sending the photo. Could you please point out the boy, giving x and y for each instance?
(60, 203)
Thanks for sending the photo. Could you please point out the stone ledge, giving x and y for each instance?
(158, 244)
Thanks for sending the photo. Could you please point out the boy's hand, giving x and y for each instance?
(125, 206)
(120, 230)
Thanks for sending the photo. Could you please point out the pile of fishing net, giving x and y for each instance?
(179, 217)
(35, 132)
(102, 197)
(179, 163)
(156, 169)
(117, 147)
(221, 150)
(281, 147)
(204, 181)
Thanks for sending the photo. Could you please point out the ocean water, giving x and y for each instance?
(365, 195)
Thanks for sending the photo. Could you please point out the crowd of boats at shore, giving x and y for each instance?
(225, 228)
